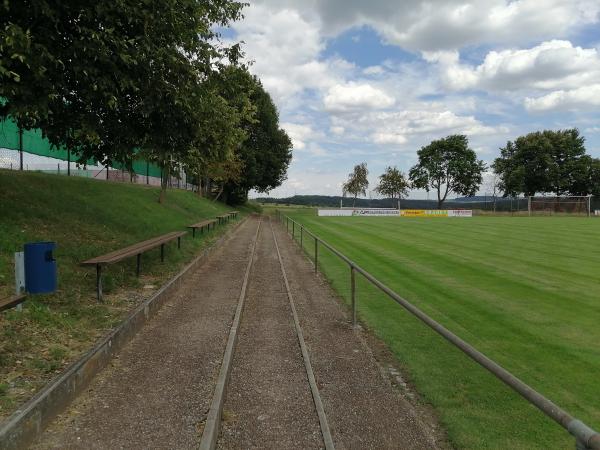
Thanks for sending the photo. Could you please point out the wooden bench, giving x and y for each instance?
(201, 225)
(132, 250)
(11, 302)
(223, 218)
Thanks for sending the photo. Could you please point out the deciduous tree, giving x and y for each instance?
(358, 182)
(543, 162)
(448, 165)
(393, 184)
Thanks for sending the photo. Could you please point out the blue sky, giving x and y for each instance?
(374, 81)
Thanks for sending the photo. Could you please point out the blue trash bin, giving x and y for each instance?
(40, 267)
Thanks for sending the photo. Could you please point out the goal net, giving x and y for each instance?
(563, 205)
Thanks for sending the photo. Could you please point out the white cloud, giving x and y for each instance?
(373, 70)
(388, 138)
(337, 130)
(549, 65)
(354, 97)
(585, 96)
(298, 133)
(285, 48)
(425, 25)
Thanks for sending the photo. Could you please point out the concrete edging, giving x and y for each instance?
(28, 422)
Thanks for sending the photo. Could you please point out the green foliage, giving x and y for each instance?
(266, 152)
(393, 184)
(358, 182)
(101, 78)
(448, 165)
(546, 162)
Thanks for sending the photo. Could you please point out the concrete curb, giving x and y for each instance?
(28, 422)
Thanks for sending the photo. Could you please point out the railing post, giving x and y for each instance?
(293, 229)
(316, 253)
(287, 224)
(301, 228)
(353, 293)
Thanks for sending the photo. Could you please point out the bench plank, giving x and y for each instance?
(11, 302)
(134, 249)
(203, 223)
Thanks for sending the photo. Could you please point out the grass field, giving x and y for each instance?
(85, 218)
(525, 291)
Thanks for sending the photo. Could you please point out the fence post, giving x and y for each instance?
(316, 252)
(68, 162)
(353, 293)
(287, 224)
(20, 148)
(301, 229)
(293, 229)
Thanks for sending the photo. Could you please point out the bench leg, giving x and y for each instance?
(99, 282)
(139, 265)
(194, 232)
(179, 242)
(162, 252)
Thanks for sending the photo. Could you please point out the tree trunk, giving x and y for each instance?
(219, 194)
(163, 185)
(199, 178)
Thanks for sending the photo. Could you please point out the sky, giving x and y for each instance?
(374, 81)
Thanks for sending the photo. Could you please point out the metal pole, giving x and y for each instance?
(20, 148)
(107, 171)
(316, 253)
(147, 172)
(68, 162)
(529, 205)
(353, 293)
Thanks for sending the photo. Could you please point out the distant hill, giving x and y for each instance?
(333, 201)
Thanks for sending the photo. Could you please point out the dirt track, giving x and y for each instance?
(157, 394)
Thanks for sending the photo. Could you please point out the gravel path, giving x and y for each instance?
(157, 393)
(364, 410)
(269, 403)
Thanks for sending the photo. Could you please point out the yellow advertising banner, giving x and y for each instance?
(424, 213)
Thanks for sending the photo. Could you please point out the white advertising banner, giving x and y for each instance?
(335, 212)
(375, 212)
(460, 213)
(358, 212)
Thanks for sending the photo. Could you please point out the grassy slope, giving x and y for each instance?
(86, 218)
(524, 291)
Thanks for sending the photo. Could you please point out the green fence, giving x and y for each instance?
(33, 142)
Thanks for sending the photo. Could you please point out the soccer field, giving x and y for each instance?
(524, 291)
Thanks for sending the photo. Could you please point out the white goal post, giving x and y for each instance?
(565, 204)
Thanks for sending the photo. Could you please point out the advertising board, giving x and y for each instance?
(436, 213)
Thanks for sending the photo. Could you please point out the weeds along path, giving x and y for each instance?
(157, 392)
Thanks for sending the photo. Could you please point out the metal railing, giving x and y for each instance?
(586, 437)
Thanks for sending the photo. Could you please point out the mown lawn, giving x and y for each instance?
(85, 218)
(525, 291)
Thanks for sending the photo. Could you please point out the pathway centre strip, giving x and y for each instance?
(327, 439)
(213, 420)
